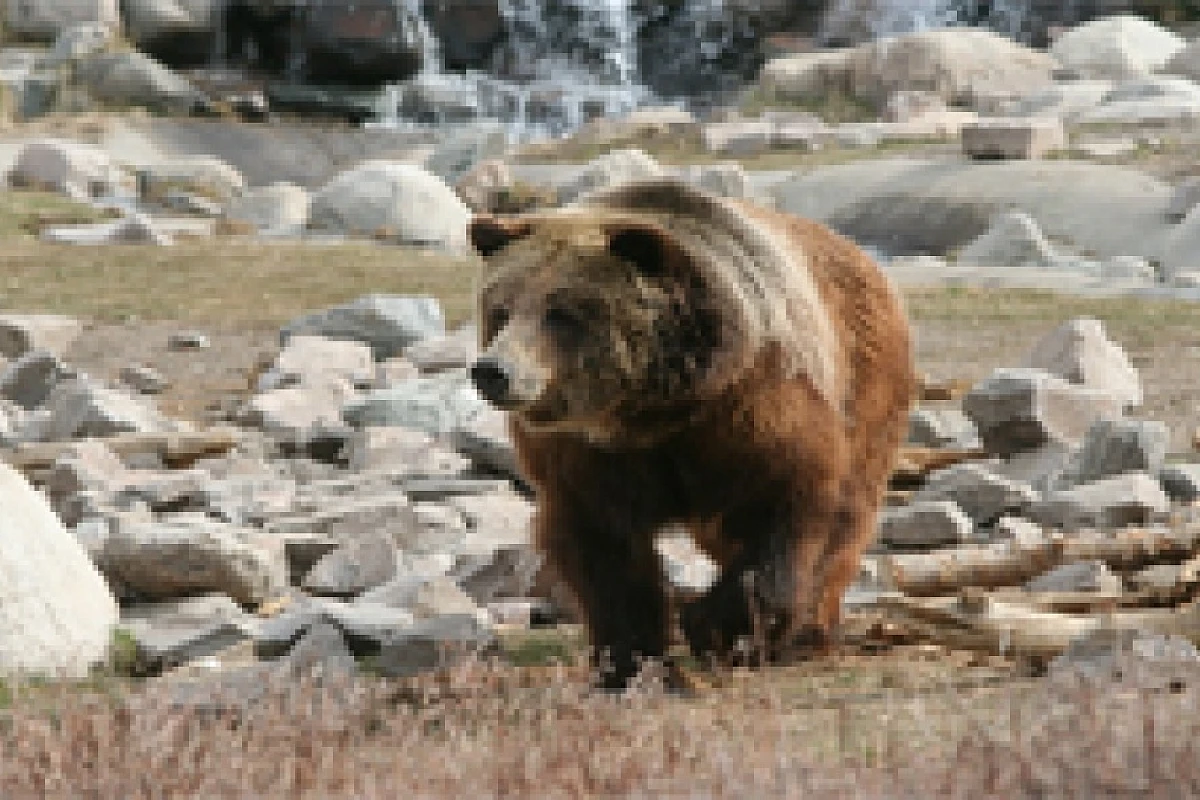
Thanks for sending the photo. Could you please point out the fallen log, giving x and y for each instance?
(915, 462)
(1010, 564)
(975, 621)
(177, 450)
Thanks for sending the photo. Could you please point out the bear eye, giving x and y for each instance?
(561, 319)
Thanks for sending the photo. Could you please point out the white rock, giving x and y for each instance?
(81, 407)
(393, 199)
(56, 612)
(1013, 240)
(1080, 351)
(1116, 48)
(280, 208)
(20, 333)
(206, 176)
(1078, 576)
(387, 323)
(610, 169)
(46, 19)
(312, 361)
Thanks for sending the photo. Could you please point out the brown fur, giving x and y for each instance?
(707, 387)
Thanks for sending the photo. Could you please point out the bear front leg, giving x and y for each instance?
(612, 570)
(765, 600)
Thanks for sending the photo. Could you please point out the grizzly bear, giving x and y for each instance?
(668, 356)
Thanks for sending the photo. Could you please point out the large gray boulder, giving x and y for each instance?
(1013, 240)
(437, 404)
(56, 612)
(1117, 48)
(914, 206)
(394, 200)
(130, 78)
(610, 169)
(960, 65)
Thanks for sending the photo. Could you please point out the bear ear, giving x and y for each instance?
(646, 247)
(488, 235)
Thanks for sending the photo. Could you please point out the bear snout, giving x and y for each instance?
(493, 378)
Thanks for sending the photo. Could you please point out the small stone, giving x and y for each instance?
(1078, 576)
(188, 340)
(924, 525)
(1131, 499)
(144, 379)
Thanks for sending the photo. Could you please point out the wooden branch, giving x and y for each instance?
(978, 622)
(175, 449)
(1008, 564)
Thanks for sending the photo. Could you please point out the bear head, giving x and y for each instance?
(593, 323)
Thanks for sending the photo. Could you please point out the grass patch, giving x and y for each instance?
(239, 284)
(27, 212)
(1135, 321)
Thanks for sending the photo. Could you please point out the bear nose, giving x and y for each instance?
(493, 380)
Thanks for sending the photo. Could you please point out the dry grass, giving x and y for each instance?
(227, 282)
(487, 731)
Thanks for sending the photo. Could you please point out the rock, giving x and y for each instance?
(455, 350)
(385, 514)
(1013, 240)
(387, 323)
(87, 467)
(437, 404)
(1181, 482)
(977, 491)
(176, 632)
(1115, 447)
(393, 199)
(507, 571)
(73, 168)
(80, 407)
(1181, 250)
(737, 138)
(52, 333)
(1080, 351)
(1015, 138)
(205, 176)
(181, 31)
(401, 450)
(941, 427)
(1134, 498)
(313, 361)
(1065, 100)
(1042, 467)
(320, 651)
(806, 77)
(134, 229)
(247, 500)
(1147, 101)
(357, 565)
(29, 380)
(281, 208)
(957, 64)
(56, 612)
(1116, 48)
(479, 186)
(1150, 660)
(298, 415)
(1128, 268)
(187, 555)
(1184, 62)
(911, 206)
(1021, 409)
(924, 525)
(726, 179)
(1078, 576)
(493, 521)
(129, 78)
(427, 489)
(81, 40)
(484, 438)
(366, 626)
(188, 340)
(1183, 199)
(45, 20)
(610, 169)
(336, 51)
(466, 148)
(144, 379)
(433, 643)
